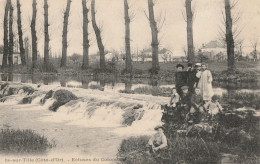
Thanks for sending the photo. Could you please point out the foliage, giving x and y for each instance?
(23, 142)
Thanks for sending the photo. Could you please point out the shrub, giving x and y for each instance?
(23, 142)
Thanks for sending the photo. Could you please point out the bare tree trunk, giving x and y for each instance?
(189, 14)
(98, 37)
(26, 45)
(11, 37)
(155, 42)
(6, 43)
(34, 36)
(128, 61)
(85, 64)
(46, 35)
(20, 33)
(229, 37)
(65, 35)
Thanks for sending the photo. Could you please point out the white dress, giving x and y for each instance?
(205, 84)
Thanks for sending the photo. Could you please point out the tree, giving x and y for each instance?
(26, 45)
(254, 44)
(11, 36)
(86, 45)
(229, 37)
(34, 36)
(189, 15)
(155, 42)
(20, 33)
(98, 36)
(65, 35)
(6, 42)
(201, 57)
(128, 61)
(46, 35)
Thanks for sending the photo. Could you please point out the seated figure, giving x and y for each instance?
(175, 98)
(196, 107)
(158, 141)
(213, 107)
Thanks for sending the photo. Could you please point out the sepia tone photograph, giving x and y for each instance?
(130, 81)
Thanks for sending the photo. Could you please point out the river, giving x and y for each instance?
(92, 126)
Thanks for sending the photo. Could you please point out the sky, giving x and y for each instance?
(208, 21)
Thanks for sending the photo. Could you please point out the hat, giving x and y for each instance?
(198, 65)
(158, 127)
(185, 87)
(179, 65)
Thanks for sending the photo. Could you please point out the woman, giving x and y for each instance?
(205, 83)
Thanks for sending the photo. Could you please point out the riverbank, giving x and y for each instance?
(246, 71)
(92, 126)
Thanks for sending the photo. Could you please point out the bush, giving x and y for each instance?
(23, 142)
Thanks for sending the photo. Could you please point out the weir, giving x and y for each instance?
(135, 114)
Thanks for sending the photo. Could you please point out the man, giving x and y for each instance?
(192, 79)
(180, 79)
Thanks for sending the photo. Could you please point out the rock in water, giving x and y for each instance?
(62, 97)
(47, 96)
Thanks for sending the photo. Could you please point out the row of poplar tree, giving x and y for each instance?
(9, 43)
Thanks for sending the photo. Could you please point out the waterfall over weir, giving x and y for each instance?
(128, 114)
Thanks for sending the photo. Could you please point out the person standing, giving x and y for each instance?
(180, 79)
(205, 83)
(191, 77)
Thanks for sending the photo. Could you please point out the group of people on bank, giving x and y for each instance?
(192, 97)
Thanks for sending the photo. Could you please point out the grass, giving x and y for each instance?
(138, 68)
(233, 132)
(180, 150)
(241, 99)
(23, 142)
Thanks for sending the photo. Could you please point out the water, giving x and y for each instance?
(94, 125)
(116, 83)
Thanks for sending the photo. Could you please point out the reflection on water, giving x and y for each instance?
(115, 83)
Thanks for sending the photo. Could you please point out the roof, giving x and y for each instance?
(212, 44)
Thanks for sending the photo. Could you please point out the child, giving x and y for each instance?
(158, 141)
(196, 107)
(213, 106)
(175, 98)
(196, 101)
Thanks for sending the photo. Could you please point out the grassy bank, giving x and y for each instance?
(233, 134)
(246, 71)
(23, 142)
